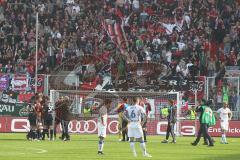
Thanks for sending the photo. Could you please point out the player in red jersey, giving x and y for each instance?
(39, 112)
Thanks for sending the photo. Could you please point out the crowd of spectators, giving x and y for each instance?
(67, 28)
(187, 37)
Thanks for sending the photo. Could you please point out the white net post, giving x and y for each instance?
(78, 103)
(178, 105)
(53, 97)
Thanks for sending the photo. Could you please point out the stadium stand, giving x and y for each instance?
(187, 38)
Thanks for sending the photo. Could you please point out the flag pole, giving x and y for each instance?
(36, 54)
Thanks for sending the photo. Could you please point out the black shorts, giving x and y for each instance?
(48, 120)
(32, 119)
(124, 123)
(144, 124)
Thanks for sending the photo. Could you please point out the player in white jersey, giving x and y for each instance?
(225, 116)
(133, 114)
(102, 124)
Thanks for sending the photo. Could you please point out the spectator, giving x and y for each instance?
(211, 68)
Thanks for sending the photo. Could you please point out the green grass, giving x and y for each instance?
(84, 147)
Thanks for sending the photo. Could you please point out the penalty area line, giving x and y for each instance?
(39, 150)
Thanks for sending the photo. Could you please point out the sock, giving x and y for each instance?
(143, 147)
(145, 135)
(123, 135)
(120, 134)
(55, 133)
(224, 138)
(35, 135)
(45, 131)
(40, 134)
(30, 134)
(100, 145)
(51, 134)
(132, 146)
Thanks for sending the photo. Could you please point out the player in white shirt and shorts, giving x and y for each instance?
(102, 124)
(133, 114)
(225, 116)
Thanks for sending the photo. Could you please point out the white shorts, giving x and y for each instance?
(135, 130)
(102, 130)
(224, 125)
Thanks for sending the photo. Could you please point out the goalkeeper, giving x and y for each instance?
(171, 122)
(206, 119)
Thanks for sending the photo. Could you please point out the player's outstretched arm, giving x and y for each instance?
(230, 115)
(126, 116)
(144, 118)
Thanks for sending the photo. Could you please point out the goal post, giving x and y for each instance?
(85, 104)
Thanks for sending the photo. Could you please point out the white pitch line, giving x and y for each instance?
(32, 150)
(39, 150)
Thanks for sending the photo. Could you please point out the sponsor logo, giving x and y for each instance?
(186, 130)
(160, 131)
(20, 125)
(113, 130)
(218, 130)
(7, 108)
(23, 112)
(89, 126)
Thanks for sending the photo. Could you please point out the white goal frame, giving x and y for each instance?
(55, 93)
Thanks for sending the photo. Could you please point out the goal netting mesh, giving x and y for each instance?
(84, 107)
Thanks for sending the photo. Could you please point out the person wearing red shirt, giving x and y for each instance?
(233, 58)
(122, 122)
(38, 111)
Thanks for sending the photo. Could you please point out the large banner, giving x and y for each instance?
(19, 82)
(21, 124)
(10, 105)
(13, 109)
(165, 83)
(40, 83)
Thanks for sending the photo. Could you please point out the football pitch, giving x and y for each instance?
(84, 147)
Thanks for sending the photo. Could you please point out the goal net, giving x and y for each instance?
(84, 107)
